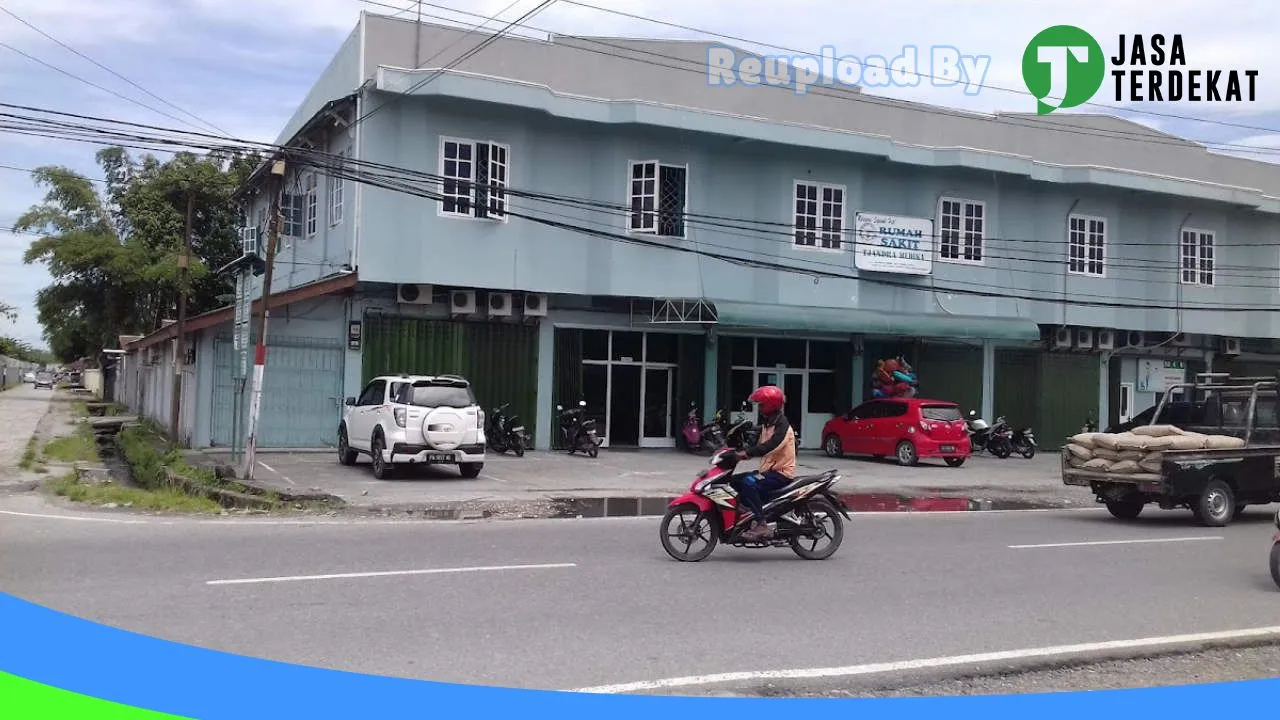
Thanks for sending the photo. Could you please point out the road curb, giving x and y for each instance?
(653, 506)
(892, 676)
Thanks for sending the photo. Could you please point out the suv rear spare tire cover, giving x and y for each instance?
(445, 428)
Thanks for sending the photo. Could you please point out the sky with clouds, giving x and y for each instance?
(245, 65)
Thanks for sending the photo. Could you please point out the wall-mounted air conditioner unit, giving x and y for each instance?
(1061, 338)
(1134, 339)
(1230, 346)
(1106, 339)
(499, 304)
(462, 302)
(535, 304)
(414, 294)
(1084, 338)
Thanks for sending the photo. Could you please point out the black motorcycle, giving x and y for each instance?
(1023, 442)
(996, 439)
(713, 433)
(504, 432)
(579, 432)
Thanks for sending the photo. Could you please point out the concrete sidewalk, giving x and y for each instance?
(640, 481)
(21, 410)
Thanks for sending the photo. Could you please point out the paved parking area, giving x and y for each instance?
(652, 473)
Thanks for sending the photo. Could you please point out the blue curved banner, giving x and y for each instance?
(43, 651)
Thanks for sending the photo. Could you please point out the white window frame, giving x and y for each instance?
(337, 193)
(310, 205)
(655, 214)
(961, 251)
(497, 200)
(292, 204)
(1083, 241)
(1200, 265)
(821, 237)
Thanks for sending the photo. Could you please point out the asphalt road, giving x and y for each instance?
(607, 606)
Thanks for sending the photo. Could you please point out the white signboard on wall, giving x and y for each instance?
(893, 244)
(1159, 375)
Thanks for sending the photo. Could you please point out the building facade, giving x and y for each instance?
(523, 220)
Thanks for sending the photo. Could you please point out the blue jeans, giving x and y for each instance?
(753, 486)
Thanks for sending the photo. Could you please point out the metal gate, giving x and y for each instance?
(301, 394)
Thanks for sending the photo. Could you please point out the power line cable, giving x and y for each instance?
(92, 84)
(64, 45)
(435, 177)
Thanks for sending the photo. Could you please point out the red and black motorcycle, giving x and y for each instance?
(805, 515)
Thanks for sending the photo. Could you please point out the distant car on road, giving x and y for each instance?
(414, 419)
(906, 428)
(29, 377)
(44, 380)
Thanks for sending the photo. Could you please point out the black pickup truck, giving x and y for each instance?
(1216, 484)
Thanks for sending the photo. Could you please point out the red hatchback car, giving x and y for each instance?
(907, 428)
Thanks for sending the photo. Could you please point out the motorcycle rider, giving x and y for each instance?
(776, 449)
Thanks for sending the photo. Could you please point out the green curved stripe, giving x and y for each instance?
(22, 699)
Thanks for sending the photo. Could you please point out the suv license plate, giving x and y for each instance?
(948, 448)
(440, 458)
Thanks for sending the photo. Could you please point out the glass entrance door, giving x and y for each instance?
(655, 411)
(792, 384)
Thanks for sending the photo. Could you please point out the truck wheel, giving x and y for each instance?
(1125, 509)
(1216, 505)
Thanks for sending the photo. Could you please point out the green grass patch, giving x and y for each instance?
(80, 446)
(164, 499)
(29, 456)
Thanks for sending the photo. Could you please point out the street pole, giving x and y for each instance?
(260, 351)
(180, 345)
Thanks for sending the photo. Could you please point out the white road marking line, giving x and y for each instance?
(1199, 538)
(389, 573)
(938, 662)
(268, 467)
(76, 518)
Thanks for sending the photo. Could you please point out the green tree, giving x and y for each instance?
(114, 255)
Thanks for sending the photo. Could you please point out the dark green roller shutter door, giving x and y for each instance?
(500, 360)
(951, 372)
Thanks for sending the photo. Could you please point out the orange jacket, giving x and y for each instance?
(777, 447)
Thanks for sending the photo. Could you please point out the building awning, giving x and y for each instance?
(762, 316)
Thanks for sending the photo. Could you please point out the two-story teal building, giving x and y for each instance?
(589, 218)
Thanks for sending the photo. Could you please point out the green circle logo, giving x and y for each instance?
(1063, 67)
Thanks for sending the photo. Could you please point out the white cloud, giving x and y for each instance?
(244, 65)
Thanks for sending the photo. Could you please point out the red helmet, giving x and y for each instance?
(769, 397)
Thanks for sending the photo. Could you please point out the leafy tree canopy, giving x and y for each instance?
(113, 251)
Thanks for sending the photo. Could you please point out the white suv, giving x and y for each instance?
(415, 419)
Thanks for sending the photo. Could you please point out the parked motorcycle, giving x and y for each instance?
(1024, 442)
(1275, 552)
(996, 439)
(713, 433)
(799, 514)
(579, 433)
(505, 432)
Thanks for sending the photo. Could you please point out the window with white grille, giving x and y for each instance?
(337, 193)
(292, 207)
(1197, 257)
(658, 195)
(962, 228)
(311, 204)
(474, 178)
(1086, 245)
(819, 215)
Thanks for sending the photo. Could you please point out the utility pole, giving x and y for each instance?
(180, 343)
(276, 183)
